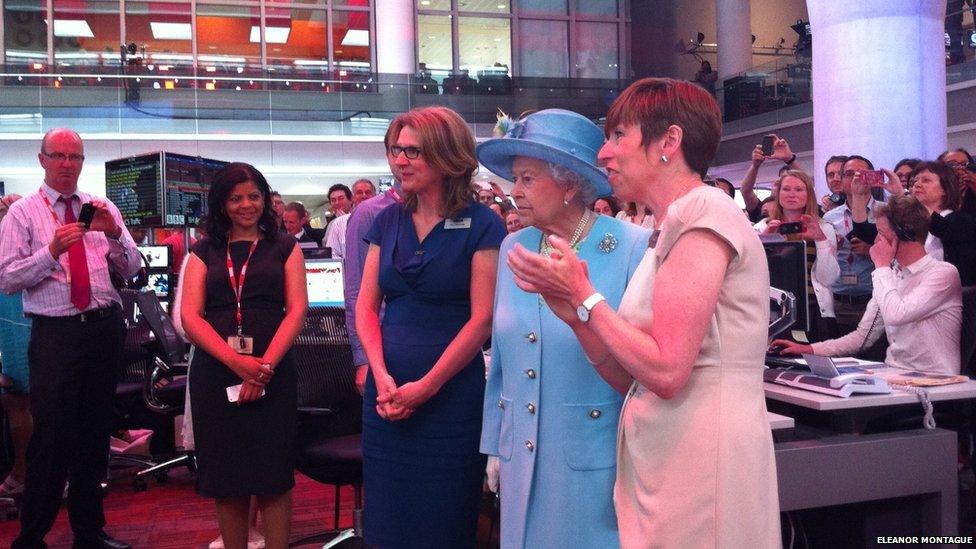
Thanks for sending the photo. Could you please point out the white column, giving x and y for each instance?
(396, 42)
(733, 36)
(879, 80)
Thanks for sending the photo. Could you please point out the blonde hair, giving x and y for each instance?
(447, 145)
(811, 209)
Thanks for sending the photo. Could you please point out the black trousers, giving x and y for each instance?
(74, 367)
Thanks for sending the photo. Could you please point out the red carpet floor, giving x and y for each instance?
(172, 515)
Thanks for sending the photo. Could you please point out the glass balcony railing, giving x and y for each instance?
(148, 100)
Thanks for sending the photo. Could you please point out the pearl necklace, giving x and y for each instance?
(546, 248)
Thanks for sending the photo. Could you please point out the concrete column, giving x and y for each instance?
(396, 41)
(879, 80)
(733, 36)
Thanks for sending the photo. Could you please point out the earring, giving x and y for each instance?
(565, 202)
(664, 159)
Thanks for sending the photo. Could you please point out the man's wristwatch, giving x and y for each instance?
(583, 311)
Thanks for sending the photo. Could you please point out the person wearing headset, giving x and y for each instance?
(916, 299)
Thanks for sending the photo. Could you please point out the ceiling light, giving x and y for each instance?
(70, 28)
(355, 37)
(170, 31)
(272, 35)
(502, 6)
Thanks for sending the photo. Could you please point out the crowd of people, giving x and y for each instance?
(598, 424)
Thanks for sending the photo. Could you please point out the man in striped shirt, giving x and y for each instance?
(75, 350)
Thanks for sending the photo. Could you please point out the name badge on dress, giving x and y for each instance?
(241, 344)
(849, 280)
(458, 223)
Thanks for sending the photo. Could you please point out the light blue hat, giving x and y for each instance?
(558, 136)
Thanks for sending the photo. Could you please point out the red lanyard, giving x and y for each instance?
(58, 223)
(50, 208)
(238, 286)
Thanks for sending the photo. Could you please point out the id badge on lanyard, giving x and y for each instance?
(240, 343)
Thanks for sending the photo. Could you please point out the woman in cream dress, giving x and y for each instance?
(695, 463)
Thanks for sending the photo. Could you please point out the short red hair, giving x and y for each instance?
(658, 103)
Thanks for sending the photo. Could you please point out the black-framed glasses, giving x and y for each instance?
(60, 157)
(410, 152)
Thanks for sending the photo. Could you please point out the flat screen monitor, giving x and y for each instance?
(160, 189)
(160, 284)
(158, 256)
(311, 250)
(135, 186)
(186, 182)
(324, 280)
(788, 271)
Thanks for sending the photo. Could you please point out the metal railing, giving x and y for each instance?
(296, 102)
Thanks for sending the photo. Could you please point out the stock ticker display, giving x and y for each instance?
(135, 185)
(160, 189)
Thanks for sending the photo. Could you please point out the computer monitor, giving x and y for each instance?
(160, 284)
(788, 271)
(311, 250)
(324, 280)
(158, 256)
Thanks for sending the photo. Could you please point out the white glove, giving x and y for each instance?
(492, 471)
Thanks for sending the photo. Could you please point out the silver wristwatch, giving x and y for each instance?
(583, 311)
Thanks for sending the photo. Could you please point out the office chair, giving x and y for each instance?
(330, 412)
(128, 389)
(164, 385)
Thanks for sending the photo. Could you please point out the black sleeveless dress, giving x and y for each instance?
(248, 449)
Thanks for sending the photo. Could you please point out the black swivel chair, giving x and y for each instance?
(128, 390)
(164, 385)
(330, 412)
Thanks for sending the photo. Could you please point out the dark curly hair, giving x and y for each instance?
(224, 181)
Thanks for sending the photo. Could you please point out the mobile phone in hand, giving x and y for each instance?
(767, 145)
(791, 228)
(873, 178)
(87, 214)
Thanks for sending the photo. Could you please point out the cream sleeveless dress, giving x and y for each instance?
(698, 470)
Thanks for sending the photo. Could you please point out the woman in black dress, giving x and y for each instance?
(244, 440)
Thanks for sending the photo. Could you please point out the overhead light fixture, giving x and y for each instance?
(272, 35)
(170, 31)
(356, 37)
(72, 28)
(220, 59)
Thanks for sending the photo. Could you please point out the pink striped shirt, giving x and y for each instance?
(27, 264)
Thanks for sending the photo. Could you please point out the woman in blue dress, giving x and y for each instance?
(432, 261)
(550, 420)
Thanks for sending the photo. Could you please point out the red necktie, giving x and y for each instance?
(77, 263)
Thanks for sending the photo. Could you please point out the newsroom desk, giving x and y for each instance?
(909, 474)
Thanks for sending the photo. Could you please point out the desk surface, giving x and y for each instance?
(827, 403)
(777, 422)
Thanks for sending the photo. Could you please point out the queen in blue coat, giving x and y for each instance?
(550, 421)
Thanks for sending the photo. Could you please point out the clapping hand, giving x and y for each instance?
(561, 278)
